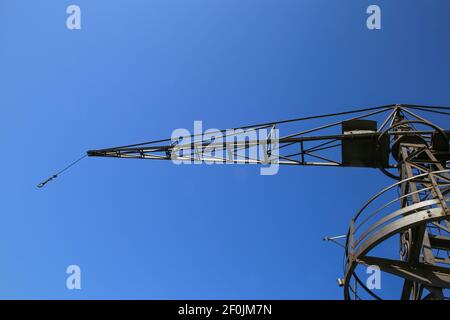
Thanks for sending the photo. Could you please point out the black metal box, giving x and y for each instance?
(362, 146)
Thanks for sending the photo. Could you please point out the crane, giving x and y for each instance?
(412, 214)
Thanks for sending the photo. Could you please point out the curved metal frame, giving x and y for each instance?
(356, 251)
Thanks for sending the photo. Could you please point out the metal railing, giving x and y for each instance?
(380, 217)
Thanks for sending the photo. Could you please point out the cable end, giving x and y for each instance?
(43, 183)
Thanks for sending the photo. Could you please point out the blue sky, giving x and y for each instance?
(139, 69)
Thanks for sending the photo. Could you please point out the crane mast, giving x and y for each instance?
(411, 215)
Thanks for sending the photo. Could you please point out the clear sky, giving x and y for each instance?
(138, 69)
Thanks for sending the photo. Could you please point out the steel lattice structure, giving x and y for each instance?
(412, 214)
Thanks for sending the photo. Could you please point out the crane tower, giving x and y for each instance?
(404, 230)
